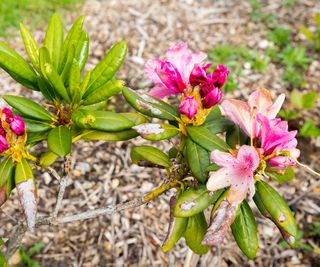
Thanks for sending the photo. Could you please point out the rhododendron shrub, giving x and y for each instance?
(225, 154)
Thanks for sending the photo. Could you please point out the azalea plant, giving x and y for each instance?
(224, 155)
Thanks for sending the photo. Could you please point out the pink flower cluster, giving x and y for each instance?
(16, 125)
(181, 70)
(270, 138)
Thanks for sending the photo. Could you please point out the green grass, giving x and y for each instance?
(31, 12)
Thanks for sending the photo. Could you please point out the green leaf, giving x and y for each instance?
(3, 261)
(309, 129)
(104, 92)
(74, 82)
(17, 67)
(68, 65)
(60, 141)
(303, 100)
(198, 160)
(179, 227)
(54, 39)
(214, 114)
(273, 206)
(6, 170)
(101, 120)
(150, 106)
(23, 171)
(30, 45)
(35, 138)
(85, 83)
(108, 66)
(136, 118)
(149, 154)
(156, 131)
(307, 33)
(194, 233)
(244, 230)
(28, 108)
(71, 40)
(46, 89)
(206, 139)
(193, 201)
(108, 136)
(34, 126)
(236, 136)
(218, 125)
(286, 176)
(82, 49)
(56, 82)
(48, 158)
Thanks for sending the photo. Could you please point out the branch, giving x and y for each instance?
(18, 232)
(65, 181)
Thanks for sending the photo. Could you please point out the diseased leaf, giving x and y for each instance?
(101, 120)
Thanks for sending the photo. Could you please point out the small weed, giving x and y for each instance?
(314, 36)
(26, 256)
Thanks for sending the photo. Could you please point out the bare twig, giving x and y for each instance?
(19, 231)
(65, 181)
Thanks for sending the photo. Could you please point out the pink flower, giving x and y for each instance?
(17, 125)
(212, 98)
(189, 106)
(275, 137)
(236, 172)
(199, 75)
(171, 75)
(3, 144)
(219, 75)
(8, 114)
(244, 113)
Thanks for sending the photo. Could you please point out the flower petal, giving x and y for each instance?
(219, 179)
(247, 155)
(275, 108)
(223, 159)
(150, 69)
(160, 91)
(239, 112)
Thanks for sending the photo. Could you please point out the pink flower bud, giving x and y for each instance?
(189, 107)
(212, 98)
(17, 125)
(219, 75)
(199, 75)
(8, 114)
(3, 144)
(2, 131)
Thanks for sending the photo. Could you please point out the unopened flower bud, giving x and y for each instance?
(17, 125)
(189, 107)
